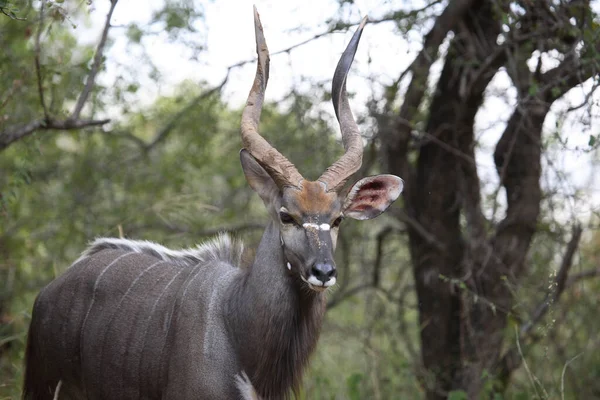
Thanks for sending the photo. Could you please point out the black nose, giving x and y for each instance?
(323, 271)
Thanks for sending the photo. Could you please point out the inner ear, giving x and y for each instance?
(259, 180)
(371, 196)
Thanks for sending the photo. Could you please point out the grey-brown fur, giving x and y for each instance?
(128, 324)
(135, 320)
(123, 323)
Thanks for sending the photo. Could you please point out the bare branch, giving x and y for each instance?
(393, 16)
(420, 66)
(376, 273)
(89, 84)
(396, 134)
(571, 72)
(10, 135)
(419, 229)
(14, 133)
(207, 232)
(510, 360)
(559, 282)
(586, 101)
(38, 69)
(590, 273)
(336, 300)
(172, 123)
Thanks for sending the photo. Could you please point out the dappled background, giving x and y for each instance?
(482, 280)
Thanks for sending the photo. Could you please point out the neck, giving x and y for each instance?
(274, 320)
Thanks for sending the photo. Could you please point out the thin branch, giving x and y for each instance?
(394, 16)
(429, 237)
(10, 135)
(123, 134)
(177, 229)
(335, 301)
(381, 237)
(586, 100)
(375, 277)
(38, 68)
(14, 133)
(532, 378)
(168, 127)
(89, 84)
(562, 375)
(10, 14)
(573, 279)
(559, 282)
(420, 66)
(510, 361)
(448, 147)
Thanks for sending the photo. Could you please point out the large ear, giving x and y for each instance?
(371, 196)
(258, 179)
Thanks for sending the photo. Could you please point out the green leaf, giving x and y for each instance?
(354, 382)
(134, 33)
(533, 89)
(457, 395)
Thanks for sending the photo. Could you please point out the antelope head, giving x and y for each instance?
(309, 213)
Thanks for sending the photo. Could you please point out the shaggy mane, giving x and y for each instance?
(221, 248)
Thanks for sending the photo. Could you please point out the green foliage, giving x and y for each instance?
(9, 9)
(457, 395)
(60, 190)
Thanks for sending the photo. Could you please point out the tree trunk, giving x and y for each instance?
(466, 268)
(462, 268)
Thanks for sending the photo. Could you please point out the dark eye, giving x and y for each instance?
(286, 218)
(337, 222)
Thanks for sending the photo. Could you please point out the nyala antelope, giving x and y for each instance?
(135, 320)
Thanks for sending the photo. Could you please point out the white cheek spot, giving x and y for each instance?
(289, 266)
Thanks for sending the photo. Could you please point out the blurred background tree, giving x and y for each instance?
(502, 297)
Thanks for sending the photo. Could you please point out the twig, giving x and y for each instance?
(562, 375)
(449, 148)
(348, 293)
(560, 282)
(532, 378)
(89, 84)
(586, 100)
(591, 273)
(38, 69)
(509, 361)
(7, 11)
(342, 26)
(418, 228)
